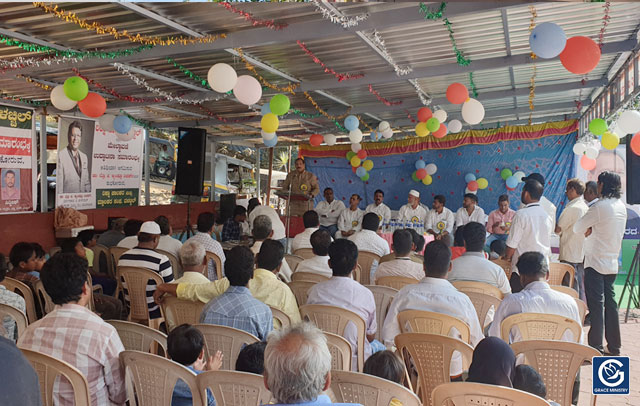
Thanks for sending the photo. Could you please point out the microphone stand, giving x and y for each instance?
(288, 218)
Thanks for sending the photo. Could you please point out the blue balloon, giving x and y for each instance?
(351, 122)
(420, 164)
(122, 124)
(374, 136)
(271, 143)
(469, 177)
(265, 109)
(361, 172)
(512, 182)
(547, 40)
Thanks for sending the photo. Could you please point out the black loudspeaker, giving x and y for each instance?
(633, 177)
(191, 153)
(227, 206)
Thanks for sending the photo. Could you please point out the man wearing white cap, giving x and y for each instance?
(144, 256)
(412, 212)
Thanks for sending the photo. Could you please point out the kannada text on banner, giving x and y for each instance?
(16, 160)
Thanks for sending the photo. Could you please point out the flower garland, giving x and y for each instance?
(254, 21)
(344, 21)
(339, 76)
(115, 94)
(382, 99)
(98, 28)
(187, 72)
(534, 68)
(324, 113)
(605, 22)
(376, 38)
(290, 88)
(429, 15)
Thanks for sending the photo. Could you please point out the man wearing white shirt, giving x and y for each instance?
(572, 244)
(368, 239)
(329, 211)
(434, 293)
(545, 203)
(440, 221)
(167, 242)
(590, 193)
(412, 212)
(470, 211)
(605, 221)
(350, 219)
(401, 265)
(311, 224)
(256, 209)
(319, 263)
(263, 230)
(379, 208)
(530, 230)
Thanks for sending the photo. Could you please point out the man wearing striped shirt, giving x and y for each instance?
(144, 256)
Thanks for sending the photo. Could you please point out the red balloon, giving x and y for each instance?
(510, 190)
(457, 93)
(421, 173)
(354, 169)
(93, 105)
(440, 132)
(635, 143)
(362, 154)
(581, 55)
(472, 186)
(587, 163)
(316, 140)
(424, 114)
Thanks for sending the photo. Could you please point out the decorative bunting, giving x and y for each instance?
(254, 21)
(344, 21)
(382, 99)
(115, 94)
(324, 113)
(339, 76)
(290, 88)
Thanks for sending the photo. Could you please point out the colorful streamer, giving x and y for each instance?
(605, 22)
(534, 68)
(188, 73)
(290, 88)
(324, 113)
(382, 99)
(430, 15)
(344, 21)
(254, 21)
(30, 80)
(339, 76)
(115, 94)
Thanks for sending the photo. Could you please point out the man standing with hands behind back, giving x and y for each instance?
(301, 182)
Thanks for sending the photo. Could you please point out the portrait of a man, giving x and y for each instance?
(10, 184)
(73, 164)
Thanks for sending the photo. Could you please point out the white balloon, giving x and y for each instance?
(267, 136)
(383, 126)
(592, 152)
(222, 77)
(106, 122)
(441, 115)
(247, 90)
(472, 111)
(579, 148)
(388, 133)
(519, 175)
(431, 169)
(330, 139)
(355, 136)
(454, 126)
(466, 190)
(355, 147)
(629, 122)
(60, 100)
(618, 131)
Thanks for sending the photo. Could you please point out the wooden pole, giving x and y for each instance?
(269, 176)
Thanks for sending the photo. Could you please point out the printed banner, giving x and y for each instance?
(17, 175)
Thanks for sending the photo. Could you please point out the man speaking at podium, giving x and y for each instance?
(301, 182)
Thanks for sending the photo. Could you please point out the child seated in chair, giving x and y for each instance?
(185, 345)
(386, 365)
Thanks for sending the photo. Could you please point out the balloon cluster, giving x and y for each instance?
(277, 106)
(424, 172)
(472, 109)
(384, 130)
(222, 78)
(588, 151)
(75, 91)
(359, 164)
(579, 55)
(511, 178)
(473, 183)
(431, 123)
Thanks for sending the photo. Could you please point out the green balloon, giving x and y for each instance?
(433, 124)
(75, 88)
(506, 173)
(415, 177)
(598, 126)
(350, 155)
(279, 104)
(364, 178)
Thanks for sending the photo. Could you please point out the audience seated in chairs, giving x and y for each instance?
(386, 365)
(319, 263)
(12, 299)
(41, 257)
(493, 363)
(529, 380)
(367, 239)
(18, 380)
(167, 242)
(402, 265)
(251, 358)
(263, 230)
(131, 229)
(194, 263)
(416, 249)
(89, 239)
(311, 223)
(115, 234)
(205, 225)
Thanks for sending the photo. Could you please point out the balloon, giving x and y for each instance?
(579, 148)
(424, 113)
(362, 154)
(598, 126)
(421, 130)
(266, 135)
(421, 173)
(506, 173)
(441, 115)
(355, 161)
(472, 111)
(121, 124)
(279, 104)
(388, 133)
(635, 144)
(354, 169)
(265, 109)
(441, 132)
(469, 177)
(482, 183)
(128, 136)
(330, 139)
(466, 190)
(415, 177)
(519, 175)
(591, 152)
(368, 164)
(248, 90)
(355, 135)
(581, 55)
(355, 147)
(547, 40)
(75, 88)
(512, 182)
(427, 180)
(610, 140)
(629, 122)
(365, 177)
(351, 122)
(60, 100)
(587, 163)
(315, 140)
(106, 122)
(510, 189)
(272, 142)
(373, 135)
(431, 169)
(222, 77)
(269, 123)
(93, 105)
(455, 126)
(472, 186)
(420, 164)
(457, 93)
(383, 126)
(433, 124)
(361, 171)
(350, 155)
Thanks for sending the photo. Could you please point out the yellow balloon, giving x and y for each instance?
(368, 164)
(427, 180)
(421, 130)
(482, 183)
(355, 161)
(610, 140)
(269, 123)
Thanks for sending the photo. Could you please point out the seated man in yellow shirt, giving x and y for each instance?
(265, 285)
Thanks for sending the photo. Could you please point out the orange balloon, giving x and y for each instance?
(457, 93)
(424, 114)
(635, 143)
(587, 163)
(93, 105)
(362, 154)
(440, 132)
(581, 55)
(316, 139)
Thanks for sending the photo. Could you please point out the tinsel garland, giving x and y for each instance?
(115, 94)
(382, 99)
(425, 99)
(413, 120)
(376, 38)
(290, 88)
(165, 115)
(344, 21)
(605, 22)
(187, 72)
(35, 83)
(472, 86)
(364, 124)
(9, 97)
(324, 113)
(254, 21)
(430, 15)
(147, 125)
(340, 126)
(218, 117)
(22, 62)
(534, 68)
(304, 115)
(316, 60)
(71, 17)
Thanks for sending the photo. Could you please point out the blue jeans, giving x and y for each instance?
(492, 238)
(332, 229)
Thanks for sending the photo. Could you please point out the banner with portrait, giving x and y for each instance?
(17, 160)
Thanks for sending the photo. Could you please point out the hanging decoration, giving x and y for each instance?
(534, 68)
(424, 97)
(9, 97)
(424, 172)
(60, 100)
(581, 55)
(344, 21)
(188, 73)
(605, 22)
(430, 15)
(71, 17)
(290, 88)
(340, 76)
(164, 115)
(115, 94)
(218, 117)
(376, 38)
(254, 21)
(304, 115)
(457, 93)
(472, 85)
(22, 62)
(324, 113)
(547, 40)
(382, 99)
(35, 83)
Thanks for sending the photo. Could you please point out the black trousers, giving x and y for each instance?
(603, 309)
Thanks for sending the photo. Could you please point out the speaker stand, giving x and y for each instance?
(188, 230)
(633, 284)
